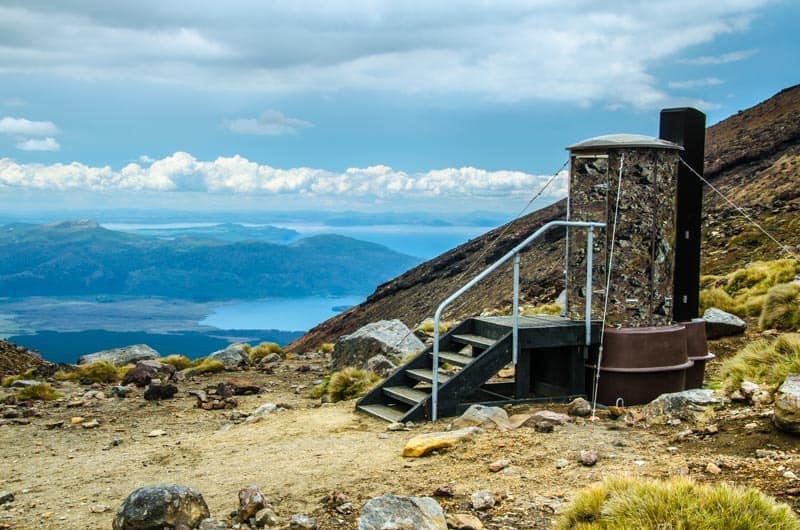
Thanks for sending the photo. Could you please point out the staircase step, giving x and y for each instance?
(475, 340)
(454, 358)
(384, 412)
(426, 375)
(412, 396)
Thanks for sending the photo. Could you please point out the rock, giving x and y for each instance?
(54, 424)
(144, 372)
(464, 521)
(76, 420)
(393, 512)
(787, 405)
(156, 433)
(213, 524)
(482, 500)
(157, 392)
(157, 507)
(543, 427)
(547, 416)
(684, 405)
(561, 463)
(6, 497)
(587, 458)
(443, 491)
(302, 522)
(379, 364)
(425, 443)
(242, 387)
(270, 358)
(396, 427)
(487, 417)
(251, 500)
(722, 324)
(91, 424)
(761, 398)
(387, 337)
(748, 388)
(24, 383)
(266, 517)
(579, 407)
(713, 469)
(499, 465)
(233, 357)
(121, 391)
(121, 356)
(261, 412)
(99, 508)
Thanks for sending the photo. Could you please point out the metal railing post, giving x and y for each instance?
(515, 331)
(589, 257)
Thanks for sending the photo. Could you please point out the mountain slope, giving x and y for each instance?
(82, 258)
(752, 156)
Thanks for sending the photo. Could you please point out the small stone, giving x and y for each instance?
(99, 508)
(761, 398)
(50, 425)
(425, 443)
(156, 433)
(302, 522)
(588, 457)
(443, 491)
(464, 521)
(711, 429)
(561, 463)
(241, 387)
(251, 500)
(121, 391)
(752, 426)
(543, 427)
(266, 517)
(159, 392)
(6, 497)
(579, 407)
(91, 424)
(713, 468)
(684, 434)
(793, 492)
(615, 412)
(672, 449)
(737, 395)
(640, 463)
(170, 506)
(212, 524)
(482, 500)
(396, 427)
(748, 388)
(499, 465)
(261, 412)
(790, 475)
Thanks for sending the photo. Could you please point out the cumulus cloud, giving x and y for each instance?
(696, 83)
(182, 172)
(577, 52)
(38, 144)
(23, 127)
(725, 58)
(269, 123)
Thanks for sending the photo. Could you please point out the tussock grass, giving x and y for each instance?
(262, 350)
(677, 504)
(205, 366)
(766, 362)
(782, 308)
(180, 362)
(742, 292)
(427, 327)
(326, 347)
(40, 392)
(544, 309)
(345, 384)
(9, 380)
(97, 372)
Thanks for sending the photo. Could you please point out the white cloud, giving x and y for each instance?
(38, 144)
(695, 83)
(725, 58)
(236, 175)
(578, 52)
(269, 123)
(23, 127)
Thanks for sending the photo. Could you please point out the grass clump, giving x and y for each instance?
(326, 347)
(781, 308)
(9, 380)
(743, 292)
(205, 366)
(40, 392)
(764, 362)
(678, 504)
(96, 372)
(345, 384)
(262, 350)
(180, 362)
(544, 309)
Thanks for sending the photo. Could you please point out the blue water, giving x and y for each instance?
(289, 314)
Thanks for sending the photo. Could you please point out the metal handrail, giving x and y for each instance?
(513, 253)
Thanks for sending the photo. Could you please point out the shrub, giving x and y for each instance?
(763, 361)
(180, 362)
(262, 350)
(205, 366)
(41, 392)
(544, 309)
(97, 372)
(678, 504)
(345, 384)
(326, 347)
(782, 308)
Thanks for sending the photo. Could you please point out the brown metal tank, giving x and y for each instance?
(641, 363)
(697, 350)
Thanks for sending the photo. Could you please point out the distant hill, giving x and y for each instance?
(222, 231)
(753, 156)
(83, 258)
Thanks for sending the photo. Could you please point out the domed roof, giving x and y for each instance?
(616, 141)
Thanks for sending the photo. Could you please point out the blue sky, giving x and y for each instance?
(366, 105)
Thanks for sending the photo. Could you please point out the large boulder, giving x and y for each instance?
(423, 444)
(391, 338)
(722, 324)
(233, 357)
(160, 507)
(685, 405)
(145, 371)
(391, 511)
(786, 414)
(121, 356)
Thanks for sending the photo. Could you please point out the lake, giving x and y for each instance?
(290, 314)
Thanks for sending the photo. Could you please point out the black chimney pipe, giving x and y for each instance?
(687, 127)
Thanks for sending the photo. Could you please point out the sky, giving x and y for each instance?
(367, 105)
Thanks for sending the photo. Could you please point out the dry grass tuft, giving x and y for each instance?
(349, 383)
(40, 392)
(180, 362)
(765, 362)
(623, 503)
(782, 308)
(544, 309)
(326, 347)
(262, 350)
(97, 372)
(205, 366)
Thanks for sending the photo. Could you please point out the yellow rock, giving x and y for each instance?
(76, 420)
(425, 443)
